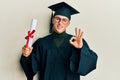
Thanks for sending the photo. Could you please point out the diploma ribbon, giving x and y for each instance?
(30, 35)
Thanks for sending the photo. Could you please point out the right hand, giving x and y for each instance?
(26, 51)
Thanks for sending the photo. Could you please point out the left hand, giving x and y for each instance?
(76, 40)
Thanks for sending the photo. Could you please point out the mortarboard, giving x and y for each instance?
(63, 9)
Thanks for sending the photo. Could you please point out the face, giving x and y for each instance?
(60, 23)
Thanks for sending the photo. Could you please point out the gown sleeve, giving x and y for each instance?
(31, 64)
(84, 60)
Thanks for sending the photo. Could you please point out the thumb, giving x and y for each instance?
(72, 39)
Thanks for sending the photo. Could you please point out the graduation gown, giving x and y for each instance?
(58, 63)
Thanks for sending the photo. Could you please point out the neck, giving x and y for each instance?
(62, 35)
(59, 38)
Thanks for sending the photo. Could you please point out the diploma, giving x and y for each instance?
(30, 35)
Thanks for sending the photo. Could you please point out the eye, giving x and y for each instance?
(64, 20)
(57, 18)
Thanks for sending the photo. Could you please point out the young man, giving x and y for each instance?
(59, 56)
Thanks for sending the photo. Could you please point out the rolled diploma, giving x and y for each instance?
(32, 27)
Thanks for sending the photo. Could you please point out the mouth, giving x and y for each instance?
(59, 27)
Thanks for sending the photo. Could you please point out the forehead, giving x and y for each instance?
(60, 16)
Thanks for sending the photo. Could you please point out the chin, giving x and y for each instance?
(59, 32)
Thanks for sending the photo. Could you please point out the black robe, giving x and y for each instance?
(58, 63)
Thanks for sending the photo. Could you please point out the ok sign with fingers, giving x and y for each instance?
(76, 40)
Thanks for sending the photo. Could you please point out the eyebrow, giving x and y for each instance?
(61, 18)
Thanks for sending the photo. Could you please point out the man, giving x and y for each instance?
(59, 56)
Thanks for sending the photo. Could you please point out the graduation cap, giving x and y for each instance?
(63, 9)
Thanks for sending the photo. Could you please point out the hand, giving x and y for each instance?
(26, 51)
(76, 40)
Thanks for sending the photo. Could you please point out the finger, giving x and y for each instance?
(26, 55)
(25, 49)
(25, 52)
(81, 34)
(30, 48)
(72, 40)
(76, 31)
(25, 46)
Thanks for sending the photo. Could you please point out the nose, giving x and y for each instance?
(60, 21)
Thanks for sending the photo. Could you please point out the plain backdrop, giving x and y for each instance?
(99, 19)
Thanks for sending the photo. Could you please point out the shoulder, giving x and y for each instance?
(43, 39)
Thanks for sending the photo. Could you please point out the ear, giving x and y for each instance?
(68, 23)
(53, 20)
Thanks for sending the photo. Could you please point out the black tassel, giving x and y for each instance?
(51, 25)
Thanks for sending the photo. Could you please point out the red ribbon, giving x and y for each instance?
(30, 35)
